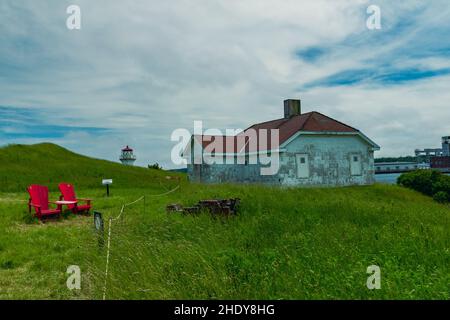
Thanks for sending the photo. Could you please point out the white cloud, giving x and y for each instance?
(145, 68)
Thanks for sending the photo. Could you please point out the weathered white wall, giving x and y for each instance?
(329, 160)
(329, 164)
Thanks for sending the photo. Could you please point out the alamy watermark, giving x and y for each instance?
(236, 147)
(74, 279)
(373, 22)
(374, 280)
(73, 22)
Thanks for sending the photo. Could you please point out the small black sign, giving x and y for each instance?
(98, 221)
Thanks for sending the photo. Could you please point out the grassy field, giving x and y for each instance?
(284, 244)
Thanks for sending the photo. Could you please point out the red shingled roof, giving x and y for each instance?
(310, 122)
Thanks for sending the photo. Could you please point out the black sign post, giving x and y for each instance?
(107, 182)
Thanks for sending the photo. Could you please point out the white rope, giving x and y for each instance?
(126, 205)
(109, 241)
(163, 194)
(129, 204)
(109, 231)
(107, 258)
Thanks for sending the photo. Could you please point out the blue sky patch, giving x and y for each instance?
(16, 123)
(311, 54)
(377, 76)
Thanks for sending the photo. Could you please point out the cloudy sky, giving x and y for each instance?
(137, 70)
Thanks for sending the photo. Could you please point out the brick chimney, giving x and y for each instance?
(292, 107)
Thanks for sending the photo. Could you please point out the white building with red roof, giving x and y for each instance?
(309, 149)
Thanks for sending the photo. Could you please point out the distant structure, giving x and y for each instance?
(436, 152)
(442, 162)
(399, 167)
(446, 146)
(429, 158)
(127, 157)
(438, 158)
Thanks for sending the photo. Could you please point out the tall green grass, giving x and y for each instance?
(284, 244)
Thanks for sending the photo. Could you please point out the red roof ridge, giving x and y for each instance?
(264, 122)
(309, 117)
(335, 120)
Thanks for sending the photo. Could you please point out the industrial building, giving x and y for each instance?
(398, 167)
(439, 158)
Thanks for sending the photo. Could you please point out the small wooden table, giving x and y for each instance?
(65, 203)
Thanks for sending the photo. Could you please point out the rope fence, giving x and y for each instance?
(111, 219)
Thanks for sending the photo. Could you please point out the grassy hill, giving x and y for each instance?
(50, 164)
(290, 243)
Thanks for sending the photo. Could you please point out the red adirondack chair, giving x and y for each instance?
(39, 200)
(68, 194)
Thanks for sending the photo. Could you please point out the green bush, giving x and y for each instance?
(441, 197)
(419, 180)
(442, 184)
(429, 182)
(155, 166)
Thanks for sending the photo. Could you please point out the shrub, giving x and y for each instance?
(441, 197)
(442, 184)
(420, 180)
(155, 166)
(430, 182)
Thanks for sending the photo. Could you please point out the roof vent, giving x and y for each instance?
(292, 107)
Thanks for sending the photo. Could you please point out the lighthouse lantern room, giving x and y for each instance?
(127, 157)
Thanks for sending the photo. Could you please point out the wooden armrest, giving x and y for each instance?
(35, 205)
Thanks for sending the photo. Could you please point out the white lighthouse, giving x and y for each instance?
(127, 157)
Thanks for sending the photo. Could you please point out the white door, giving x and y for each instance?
(355, 164)
(302, 165)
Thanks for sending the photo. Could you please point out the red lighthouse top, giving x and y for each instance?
(127, 148)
